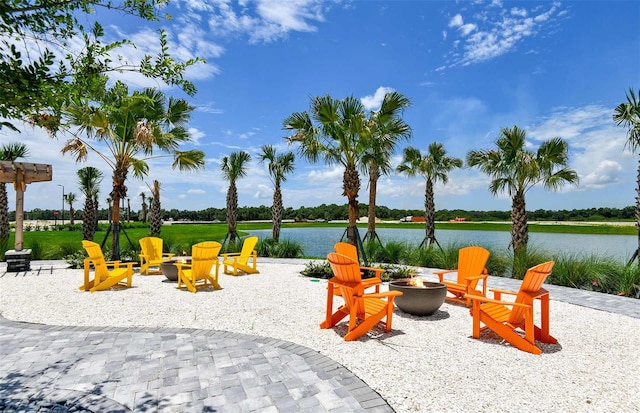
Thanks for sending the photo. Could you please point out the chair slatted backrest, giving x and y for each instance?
(346, 249)
(532, 283)
(203, 257)
(97, 257)
(151, 248)
(471, 262)
(345, 269)
(247, 248)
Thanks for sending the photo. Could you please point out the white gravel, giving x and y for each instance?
(425, 364)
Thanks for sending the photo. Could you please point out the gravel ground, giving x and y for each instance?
(424, 364)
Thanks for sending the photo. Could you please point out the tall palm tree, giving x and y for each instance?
(233, 167)
(336, 137)
(279, 166)
(70, 198)
(627, 114)
(89, 179)
(124, 130)
(155, 218)
(434, 166)
(515, 170)
(8, 152)
(143, 208)
(384, 129)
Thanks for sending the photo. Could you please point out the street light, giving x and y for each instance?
(62, 204)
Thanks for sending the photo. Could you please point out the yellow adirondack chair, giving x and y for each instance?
(204, 256)
(471, 269)
(364, 310)
(506, 317)
(103, 278)
(350, 250)
(152, 255)
(238, 262)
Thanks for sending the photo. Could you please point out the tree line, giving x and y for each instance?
(333, 212)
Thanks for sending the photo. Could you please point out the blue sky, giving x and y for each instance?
(469, 68)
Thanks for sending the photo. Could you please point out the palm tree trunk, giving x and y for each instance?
(351, 186)
(232, 211)
(638, 210)
(276, 212)
(374, 174)
(519, 225)
(118, 192)
(429, 214)
(4, 214)
(88, 219)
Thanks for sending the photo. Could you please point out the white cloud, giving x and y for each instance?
(266, 20)
(196, 192)
(456, 21)
(373, 102)
(496, 31)
(196, 135)
(328, 174)
(607, 172)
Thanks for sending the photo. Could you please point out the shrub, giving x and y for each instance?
(37, 250)
(318, 269)
(76, 260)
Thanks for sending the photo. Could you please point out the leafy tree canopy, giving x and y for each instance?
(42, 68)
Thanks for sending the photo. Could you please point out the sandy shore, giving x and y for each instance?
(424, 364)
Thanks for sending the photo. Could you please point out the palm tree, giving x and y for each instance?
(336, 137)
(70, 198)
(384, 128)
(233, 168)
(279, 166)
(627, 114)
(155, 219)
(89, 179)
(130, 128)
(8, 152)
(514, 169)
(143, 209)
(434, 166)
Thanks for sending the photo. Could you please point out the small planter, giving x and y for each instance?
(420, 301)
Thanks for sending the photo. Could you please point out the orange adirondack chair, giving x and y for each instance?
(471, 269)
(103, 278)
(350, 250)
(204, 256)
(505, 317)
(151, 255)
(239, 261)
(364, 310)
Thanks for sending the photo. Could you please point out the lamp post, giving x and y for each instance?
(62, 204)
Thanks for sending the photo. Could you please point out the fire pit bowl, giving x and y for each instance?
(418, 300)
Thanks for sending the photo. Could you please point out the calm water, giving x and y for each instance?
(319, 241)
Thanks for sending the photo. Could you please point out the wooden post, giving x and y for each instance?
(19, 186)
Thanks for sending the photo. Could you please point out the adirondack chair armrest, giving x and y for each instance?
(230, 254)
(441, 273)
(167, 255)
(497, 292)
(384, 294)
(114, 264)
(478, 277)
(378, 271)
(181, 265)
(482, 299)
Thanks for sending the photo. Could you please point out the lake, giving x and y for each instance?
(318, 242)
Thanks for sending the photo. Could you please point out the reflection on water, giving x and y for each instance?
(318, 242)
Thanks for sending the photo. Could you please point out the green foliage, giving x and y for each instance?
(76, 260)
(36, 85)
(67, 248)
(628, 282)
(37, 250)
(318, 269)
(279, 249)
(533, 256)
(394, 272)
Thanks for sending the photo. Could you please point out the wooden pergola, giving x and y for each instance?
(21, 174)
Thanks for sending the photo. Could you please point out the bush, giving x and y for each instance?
(282, 249)
(318, 269)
